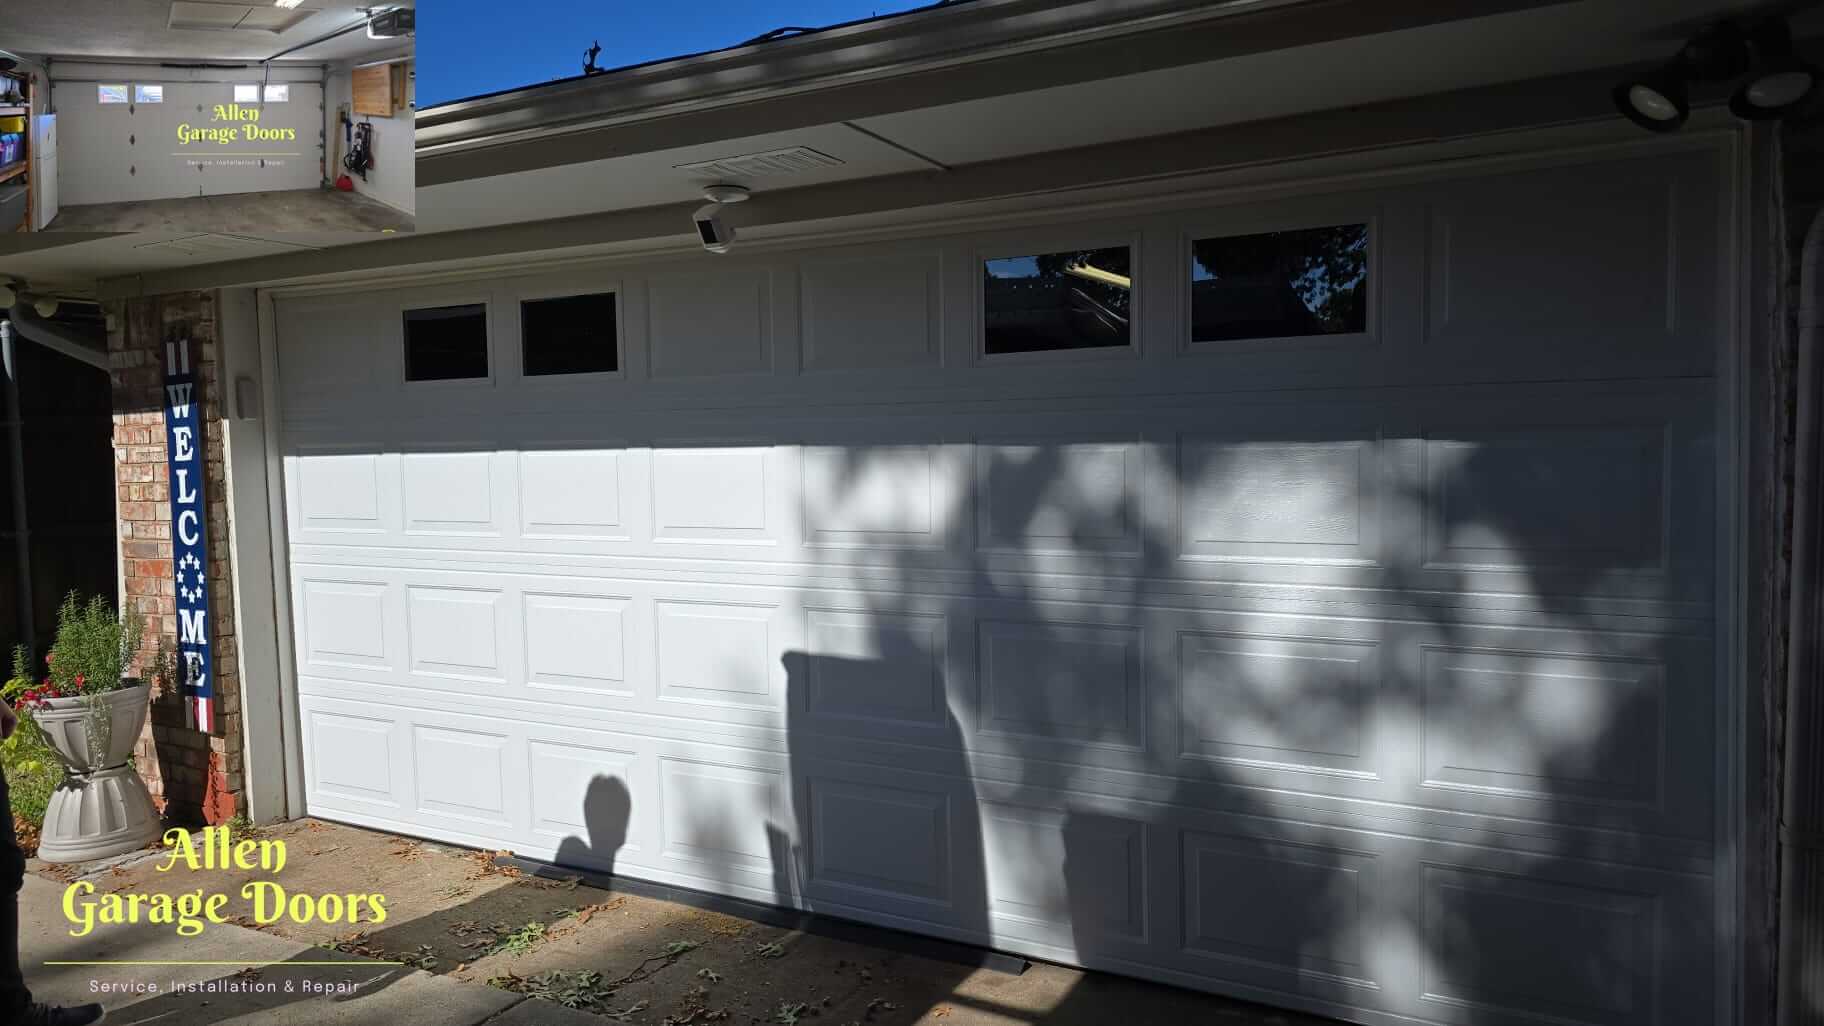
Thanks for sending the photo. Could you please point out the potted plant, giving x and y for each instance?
(91, 713)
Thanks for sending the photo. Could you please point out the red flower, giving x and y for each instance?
(79, 680)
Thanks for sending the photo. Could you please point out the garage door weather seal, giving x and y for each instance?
(783, 918)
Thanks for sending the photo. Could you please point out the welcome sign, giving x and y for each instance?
(231, 123)
(189, 541)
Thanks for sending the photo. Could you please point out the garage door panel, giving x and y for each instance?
(1499, 279)
(1533, 497)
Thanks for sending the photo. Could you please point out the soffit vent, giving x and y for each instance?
(219, 245)
(770, 164)
(219, 17)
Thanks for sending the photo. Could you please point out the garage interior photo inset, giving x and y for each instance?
(202, 116)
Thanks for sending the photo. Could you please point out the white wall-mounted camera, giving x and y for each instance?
(716, 234)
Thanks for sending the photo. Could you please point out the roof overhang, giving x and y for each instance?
(923, 58)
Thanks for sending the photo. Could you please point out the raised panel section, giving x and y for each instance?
(892, 841)
(454, 632)
(1585, 498)
(571, 493)
(715, 654)
(1285, 703)
(710, 494)
(1537, 950)
(704, 324)
(460, 773)
(351, 757)
(587, 796)
(448, 492)
(1301, 500)
(1551, 728)
(871, 496)
(869, 314)
(1501, 287)
(339, 491)
(576, 642)
(1075, 871)
(344, 623)
(1062, 681)
(871, 667)
(1058, 497)
(724, 816)
(1295, 907)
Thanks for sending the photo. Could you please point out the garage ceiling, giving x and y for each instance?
(223, 31)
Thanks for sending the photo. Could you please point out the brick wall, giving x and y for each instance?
(195, 775)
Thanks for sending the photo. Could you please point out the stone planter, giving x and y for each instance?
(102, 807)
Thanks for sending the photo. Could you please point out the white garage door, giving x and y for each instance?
(1329, 622)
(141, 150)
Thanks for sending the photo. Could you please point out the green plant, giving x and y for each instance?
(32, 770)
(93, 649)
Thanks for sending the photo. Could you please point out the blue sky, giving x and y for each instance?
(468, 47)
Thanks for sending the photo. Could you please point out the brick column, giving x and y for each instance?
(196, 776)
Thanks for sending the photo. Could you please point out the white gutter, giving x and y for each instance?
(952, 53)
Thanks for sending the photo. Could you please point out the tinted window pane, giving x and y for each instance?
(1313, 281)
(568, 335)
(444, 342)
(1072, 300)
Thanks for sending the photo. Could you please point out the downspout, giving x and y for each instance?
(22, 546)
(1801, 965)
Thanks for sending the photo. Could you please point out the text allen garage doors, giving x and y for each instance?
(1311, 600)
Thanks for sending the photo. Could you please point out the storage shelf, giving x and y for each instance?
(13, 170)
(13, 112)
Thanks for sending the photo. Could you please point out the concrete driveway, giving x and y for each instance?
(480, 944)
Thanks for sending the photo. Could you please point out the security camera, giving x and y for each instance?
(717, 235)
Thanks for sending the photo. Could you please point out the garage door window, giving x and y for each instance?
(111, 93)
(248, 93)
(1076, 299)
(148, 94)
(568, 335)
(1310, 281)
(446, 343)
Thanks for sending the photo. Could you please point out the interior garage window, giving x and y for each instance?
(568, 335)
(444, 343)
(278, 93)
(247, 93)
(1076, 299)
(112, 93)
(148, 94)
(1309, 281)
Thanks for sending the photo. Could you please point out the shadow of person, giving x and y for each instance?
(607, 808)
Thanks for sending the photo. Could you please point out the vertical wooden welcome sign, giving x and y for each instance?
(189, 539)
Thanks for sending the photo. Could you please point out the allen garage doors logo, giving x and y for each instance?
(243, 125)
